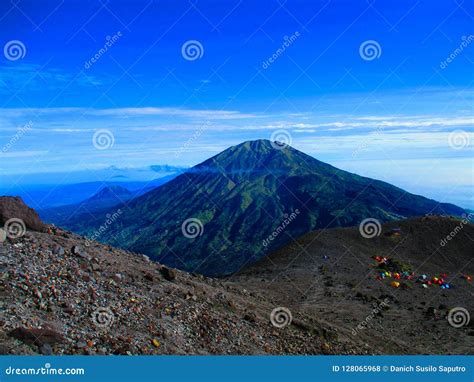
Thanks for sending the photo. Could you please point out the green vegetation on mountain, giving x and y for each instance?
(251, 199)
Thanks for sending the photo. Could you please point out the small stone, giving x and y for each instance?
(84, 256)
(46, 349)
(325, 348)
(432, 312)
(92, 293)
(58, 250)
(78, 251)
(156, 343)
(84, 267)
(168, 273)
(68, 309)
(250, 317)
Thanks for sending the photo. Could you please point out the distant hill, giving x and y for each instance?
(49, 196)
(248, 200)
(108, 196)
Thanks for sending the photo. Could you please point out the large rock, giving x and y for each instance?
(13, 207)
(36, 336)
(168, 273)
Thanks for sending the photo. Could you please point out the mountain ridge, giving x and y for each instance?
(239, 197)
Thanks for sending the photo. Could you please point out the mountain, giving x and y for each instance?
(333, 274)
(236, 207)
(107, 197)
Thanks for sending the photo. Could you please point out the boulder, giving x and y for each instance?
(13, 207)
(78, 251)
(168, 273)
(36, 336)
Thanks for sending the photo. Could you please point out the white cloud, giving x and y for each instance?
(22, 154)
(133, 111)
(77, 120)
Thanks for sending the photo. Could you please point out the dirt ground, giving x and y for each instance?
(332, 276)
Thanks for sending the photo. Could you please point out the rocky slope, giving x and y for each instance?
(62, 295)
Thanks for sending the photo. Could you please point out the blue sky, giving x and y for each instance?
(404, 115)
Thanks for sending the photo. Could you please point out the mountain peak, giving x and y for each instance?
(260, 146)
(258, 156)
(256, 145)
(111, 191)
